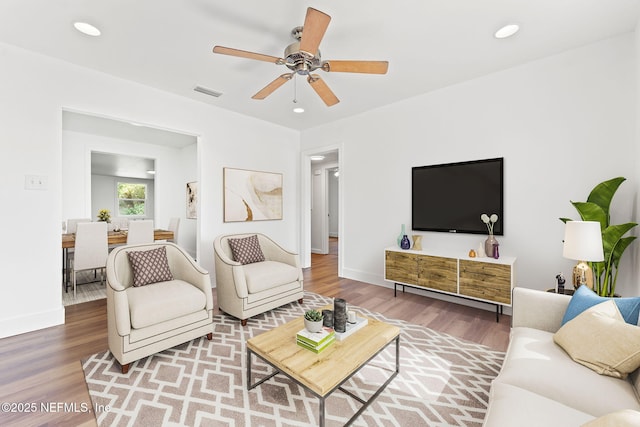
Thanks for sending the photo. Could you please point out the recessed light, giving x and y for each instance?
(151, 172)
(298, 110)
(87, 29)
(507, 31)
(316, 158)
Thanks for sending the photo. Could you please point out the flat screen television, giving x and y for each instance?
(451, 197)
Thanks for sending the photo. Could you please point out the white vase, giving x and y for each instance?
(312, 326)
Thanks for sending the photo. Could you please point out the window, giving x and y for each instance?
(132, 199)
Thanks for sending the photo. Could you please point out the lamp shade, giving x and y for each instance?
(583, 241)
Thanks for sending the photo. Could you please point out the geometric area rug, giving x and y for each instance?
(443, 381)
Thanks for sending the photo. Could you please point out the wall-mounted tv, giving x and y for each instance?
(451, 197)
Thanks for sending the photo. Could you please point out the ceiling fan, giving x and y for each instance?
(303, 58)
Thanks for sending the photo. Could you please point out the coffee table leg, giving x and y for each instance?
(321, 417)
(249, 369)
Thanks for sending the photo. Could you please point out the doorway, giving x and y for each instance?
(325, 206)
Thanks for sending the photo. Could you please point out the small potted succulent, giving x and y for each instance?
(313, 321)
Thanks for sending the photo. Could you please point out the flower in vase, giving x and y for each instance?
(489, 221)
(104, 215)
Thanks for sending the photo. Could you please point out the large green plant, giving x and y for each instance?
(596, 208)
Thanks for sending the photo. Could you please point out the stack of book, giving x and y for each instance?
(316, 341)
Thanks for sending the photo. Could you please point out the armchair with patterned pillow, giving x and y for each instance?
(157, 297)
(254, 275)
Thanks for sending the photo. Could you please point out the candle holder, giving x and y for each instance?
(339, 315)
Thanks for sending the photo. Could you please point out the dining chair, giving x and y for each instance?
(72, 224)
(91, 250)
(140, 232)
(174, 224)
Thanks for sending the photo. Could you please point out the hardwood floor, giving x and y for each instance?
(41, 371)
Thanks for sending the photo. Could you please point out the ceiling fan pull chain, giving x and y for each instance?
(295, 89)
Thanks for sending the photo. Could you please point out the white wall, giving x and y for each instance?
(35, 89)
(563, 124)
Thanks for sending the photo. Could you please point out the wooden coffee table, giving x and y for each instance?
(323, 373)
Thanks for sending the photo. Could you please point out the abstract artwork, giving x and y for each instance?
(252, 195)
(192, 200)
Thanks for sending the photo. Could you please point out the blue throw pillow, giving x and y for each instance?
(583, 298)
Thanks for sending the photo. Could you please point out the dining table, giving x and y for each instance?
(113, 238)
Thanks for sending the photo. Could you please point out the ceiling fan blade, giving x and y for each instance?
(322, 90)
(245, 54)
(315, 25)
(368, 67)
(271, 87)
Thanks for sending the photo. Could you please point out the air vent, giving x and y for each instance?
(207, 91)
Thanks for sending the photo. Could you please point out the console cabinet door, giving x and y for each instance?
(438, 273)
(486, 281)
(401, 267)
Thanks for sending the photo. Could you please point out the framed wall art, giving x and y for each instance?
(192, 200)
(252, 195)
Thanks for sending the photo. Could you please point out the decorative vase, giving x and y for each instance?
(488, 245)
(496, 253)
(480, 251)
(405, 243)
(417, 242)
(402, 234)
(312, 326)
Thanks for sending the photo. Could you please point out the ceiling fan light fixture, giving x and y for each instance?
(87, 29)
(507, 31)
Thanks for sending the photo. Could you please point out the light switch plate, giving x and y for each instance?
(35, 182)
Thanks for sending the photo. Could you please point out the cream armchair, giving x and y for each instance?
(147, 319)
(246, 290)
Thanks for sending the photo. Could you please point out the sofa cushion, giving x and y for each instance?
(623, 418)
(246, 250)
(269, 274)
(535, 363)
(599, 339)
(583, 298)
(517, 407)
(149, 266)
(159, 302)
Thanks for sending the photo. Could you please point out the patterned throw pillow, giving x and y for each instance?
(150, 266)
(246, 250)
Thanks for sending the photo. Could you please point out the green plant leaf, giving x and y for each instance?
(620, 248)
(603, 193)
(590, 211)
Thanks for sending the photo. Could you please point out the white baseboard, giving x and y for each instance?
(31, 322)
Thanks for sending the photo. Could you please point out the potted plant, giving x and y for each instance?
(596, 208)
(313, 321)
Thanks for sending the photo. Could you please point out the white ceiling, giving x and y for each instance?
(429, 44)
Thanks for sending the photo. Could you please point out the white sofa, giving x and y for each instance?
(540, 385)
(245, 290)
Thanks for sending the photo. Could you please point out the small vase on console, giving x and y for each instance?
(417, 242)
(488, 245)
(402, 234)
(405, 243)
